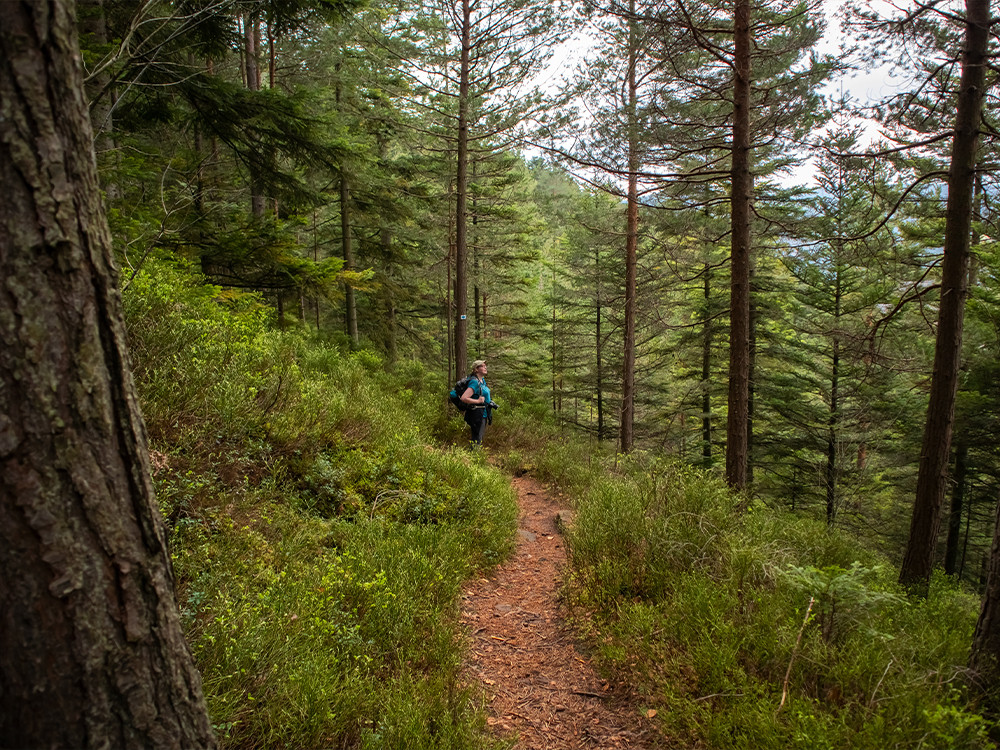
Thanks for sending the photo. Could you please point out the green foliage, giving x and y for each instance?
(319, 545)
(702, 604)
(841, 595)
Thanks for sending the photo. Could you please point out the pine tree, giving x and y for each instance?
(917, 563)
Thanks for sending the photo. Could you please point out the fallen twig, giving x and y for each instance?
(871, 702)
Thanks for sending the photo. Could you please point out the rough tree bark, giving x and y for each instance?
(739, 298)
(932, 478)
(91, 650)
(251, 41)
(951, 550)
(350, 301)
(957, 506)
(599, 346)
(833, 418)
(461, 201)
(627, 433)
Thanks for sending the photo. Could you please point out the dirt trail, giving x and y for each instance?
(542, 689)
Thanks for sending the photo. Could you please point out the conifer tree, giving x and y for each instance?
(820, 399)
(917, 563)
(474, 64)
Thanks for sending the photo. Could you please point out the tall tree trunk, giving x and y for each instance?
(831, 439)
(598, 347)
(461, 200)
(833, 419)
(739, 299)
(251, 33)
(984, 658)
(957, 506)
(555, 367)
(272, 57)
(627, 436)
(350, 302)
(951, 552)
(449, 305)
(391, 337)
(706, 374)
(199, 187)
(476, 270)
(932, 477)
(752, 378)
(93, 654)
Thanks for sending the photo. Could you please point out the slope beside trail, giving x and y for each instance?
(542, 689)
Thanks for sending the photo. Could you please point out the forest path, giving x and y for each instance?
(541, 688)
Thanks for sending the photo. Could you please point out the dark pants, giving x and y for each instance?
(476, 419)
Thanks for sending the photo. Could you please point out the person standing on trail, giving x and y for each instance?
(480, 408)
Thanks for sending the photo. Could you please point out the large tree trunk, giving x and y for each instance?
(932, 478)
(627, 435)
(389, 298)
(476, 273)
(739, 299)
(555, 358)
(461, 201)
(91, 650)
(599, 346)
(833, 419)
(449, 306)
(350, 301)
(951, 550)
(751, 378)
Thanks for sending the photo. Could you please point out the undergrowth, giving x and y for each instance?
(319, 545)
(752, 628)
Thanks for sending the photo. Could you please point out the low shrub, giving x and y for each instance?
(751, 628)
(319, 544)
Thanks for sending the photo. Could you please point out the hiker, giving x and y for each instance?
(479, 409)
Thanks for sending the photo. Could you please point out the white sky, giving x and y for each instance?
(863, 86)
